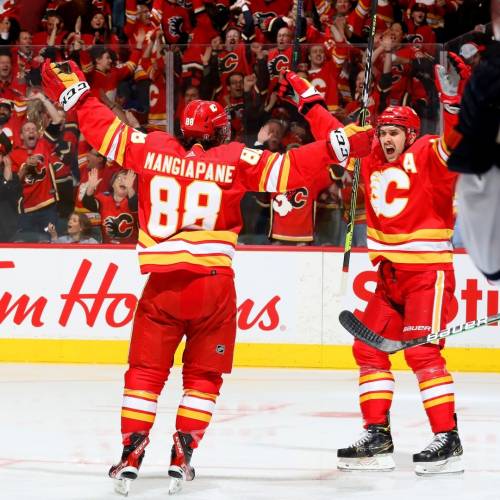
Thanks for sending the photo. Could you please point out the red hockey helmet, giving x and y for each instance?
(205, 120)
(403, 116)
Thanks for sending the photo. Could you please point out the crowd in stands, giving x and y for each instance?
(146, 59)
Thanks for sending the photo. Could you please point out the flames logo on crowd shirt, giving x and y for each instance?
(175, 26)
(35, 175)
(284, 203)
(278, 64)
(228, 63)
(121, 226)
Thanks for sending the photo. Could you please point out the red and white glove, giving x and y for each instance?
(450, 93)
(299, 92)
(64, 82)
(352, 141)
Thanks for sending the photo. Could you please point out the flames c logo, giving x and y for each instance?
(278, 64)
(121, 226)
(175, 25)
(228, 63)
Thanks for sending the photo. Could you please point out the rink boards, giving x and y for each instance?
(76, 304)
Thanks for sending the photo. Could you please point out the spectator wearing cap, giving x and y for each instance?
(10, 192)
(470, 52)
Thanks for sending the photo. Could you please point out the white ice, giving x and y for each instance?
(274, 436)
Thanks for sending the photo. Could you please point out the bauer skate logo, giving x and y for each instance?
(220, 348)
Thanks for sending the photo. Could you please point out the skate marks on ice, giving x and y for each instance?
(274, 436)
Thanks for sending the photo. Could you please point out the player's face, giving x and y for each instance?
(392, 139)
(74, 224)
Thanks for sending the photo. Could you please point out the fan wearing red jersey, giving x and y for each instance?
(409, 204)
(189, 218)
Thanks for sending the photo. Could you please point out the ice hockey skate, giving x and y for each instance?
(180, 469)
(127, 470)
(442, 456)
(373, 451)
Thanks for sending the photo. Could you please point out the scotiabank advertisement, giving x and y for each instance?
(284, 296)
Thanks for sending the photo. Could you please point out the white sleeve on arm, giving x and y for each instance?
(479, 220)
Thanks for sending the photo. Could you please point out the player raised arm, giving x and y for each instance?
(275, 172)
(311, 104)
(65, 83)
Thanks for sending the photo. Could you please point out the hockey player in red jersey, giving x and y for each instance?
(189, 220)
(409, 204)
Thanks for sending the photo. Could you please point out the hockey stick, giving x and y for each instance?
(296, 40)
(363, 115)
(356, 328)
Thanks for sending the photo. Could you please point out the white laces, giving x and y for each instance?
(439, 440)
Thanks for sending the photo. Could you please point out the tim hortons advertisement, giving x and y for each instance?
(283, 296)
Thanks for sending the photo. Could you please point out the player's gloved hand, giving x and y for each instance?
(353, 141)
(299, 92)
(360, 139)
(64, 82)
(450, 92)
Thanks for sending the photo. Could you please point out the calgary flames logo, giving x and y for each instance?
(228, 63)
(278, 64)
(175, 25)
(121, 226)
(284, 203)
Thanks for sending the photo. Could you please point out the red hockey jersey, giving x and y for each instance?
(409, 202)
(189, 201)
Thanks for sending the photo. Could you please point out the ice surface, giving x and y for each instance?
(274, 436)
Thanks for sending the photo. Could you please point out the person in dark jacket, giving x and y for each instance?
(10, 192)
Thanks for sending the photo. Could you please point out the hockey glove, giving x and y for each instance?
(450, 93)
(351, 141)
(64, 82)
(299, 92)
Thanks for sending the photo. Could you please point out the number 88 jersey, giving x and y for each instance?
(189, 200)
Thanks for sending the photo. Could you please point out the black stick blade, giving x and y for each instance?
(356, 328)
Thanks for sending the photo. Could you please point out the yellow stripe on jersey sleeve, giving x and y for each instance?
(285, 172)
(263, 177)
(109, 136)
(121, 147)
(421, 234)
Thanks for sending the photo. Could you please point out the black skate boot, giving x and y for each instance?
(442, 456)
(373, 451)
(127, 470)
(180, 469)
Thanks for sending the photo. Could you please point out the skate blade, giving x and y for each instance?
(175, 485)
(122, 486)
(381, 463)
(453, 465)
